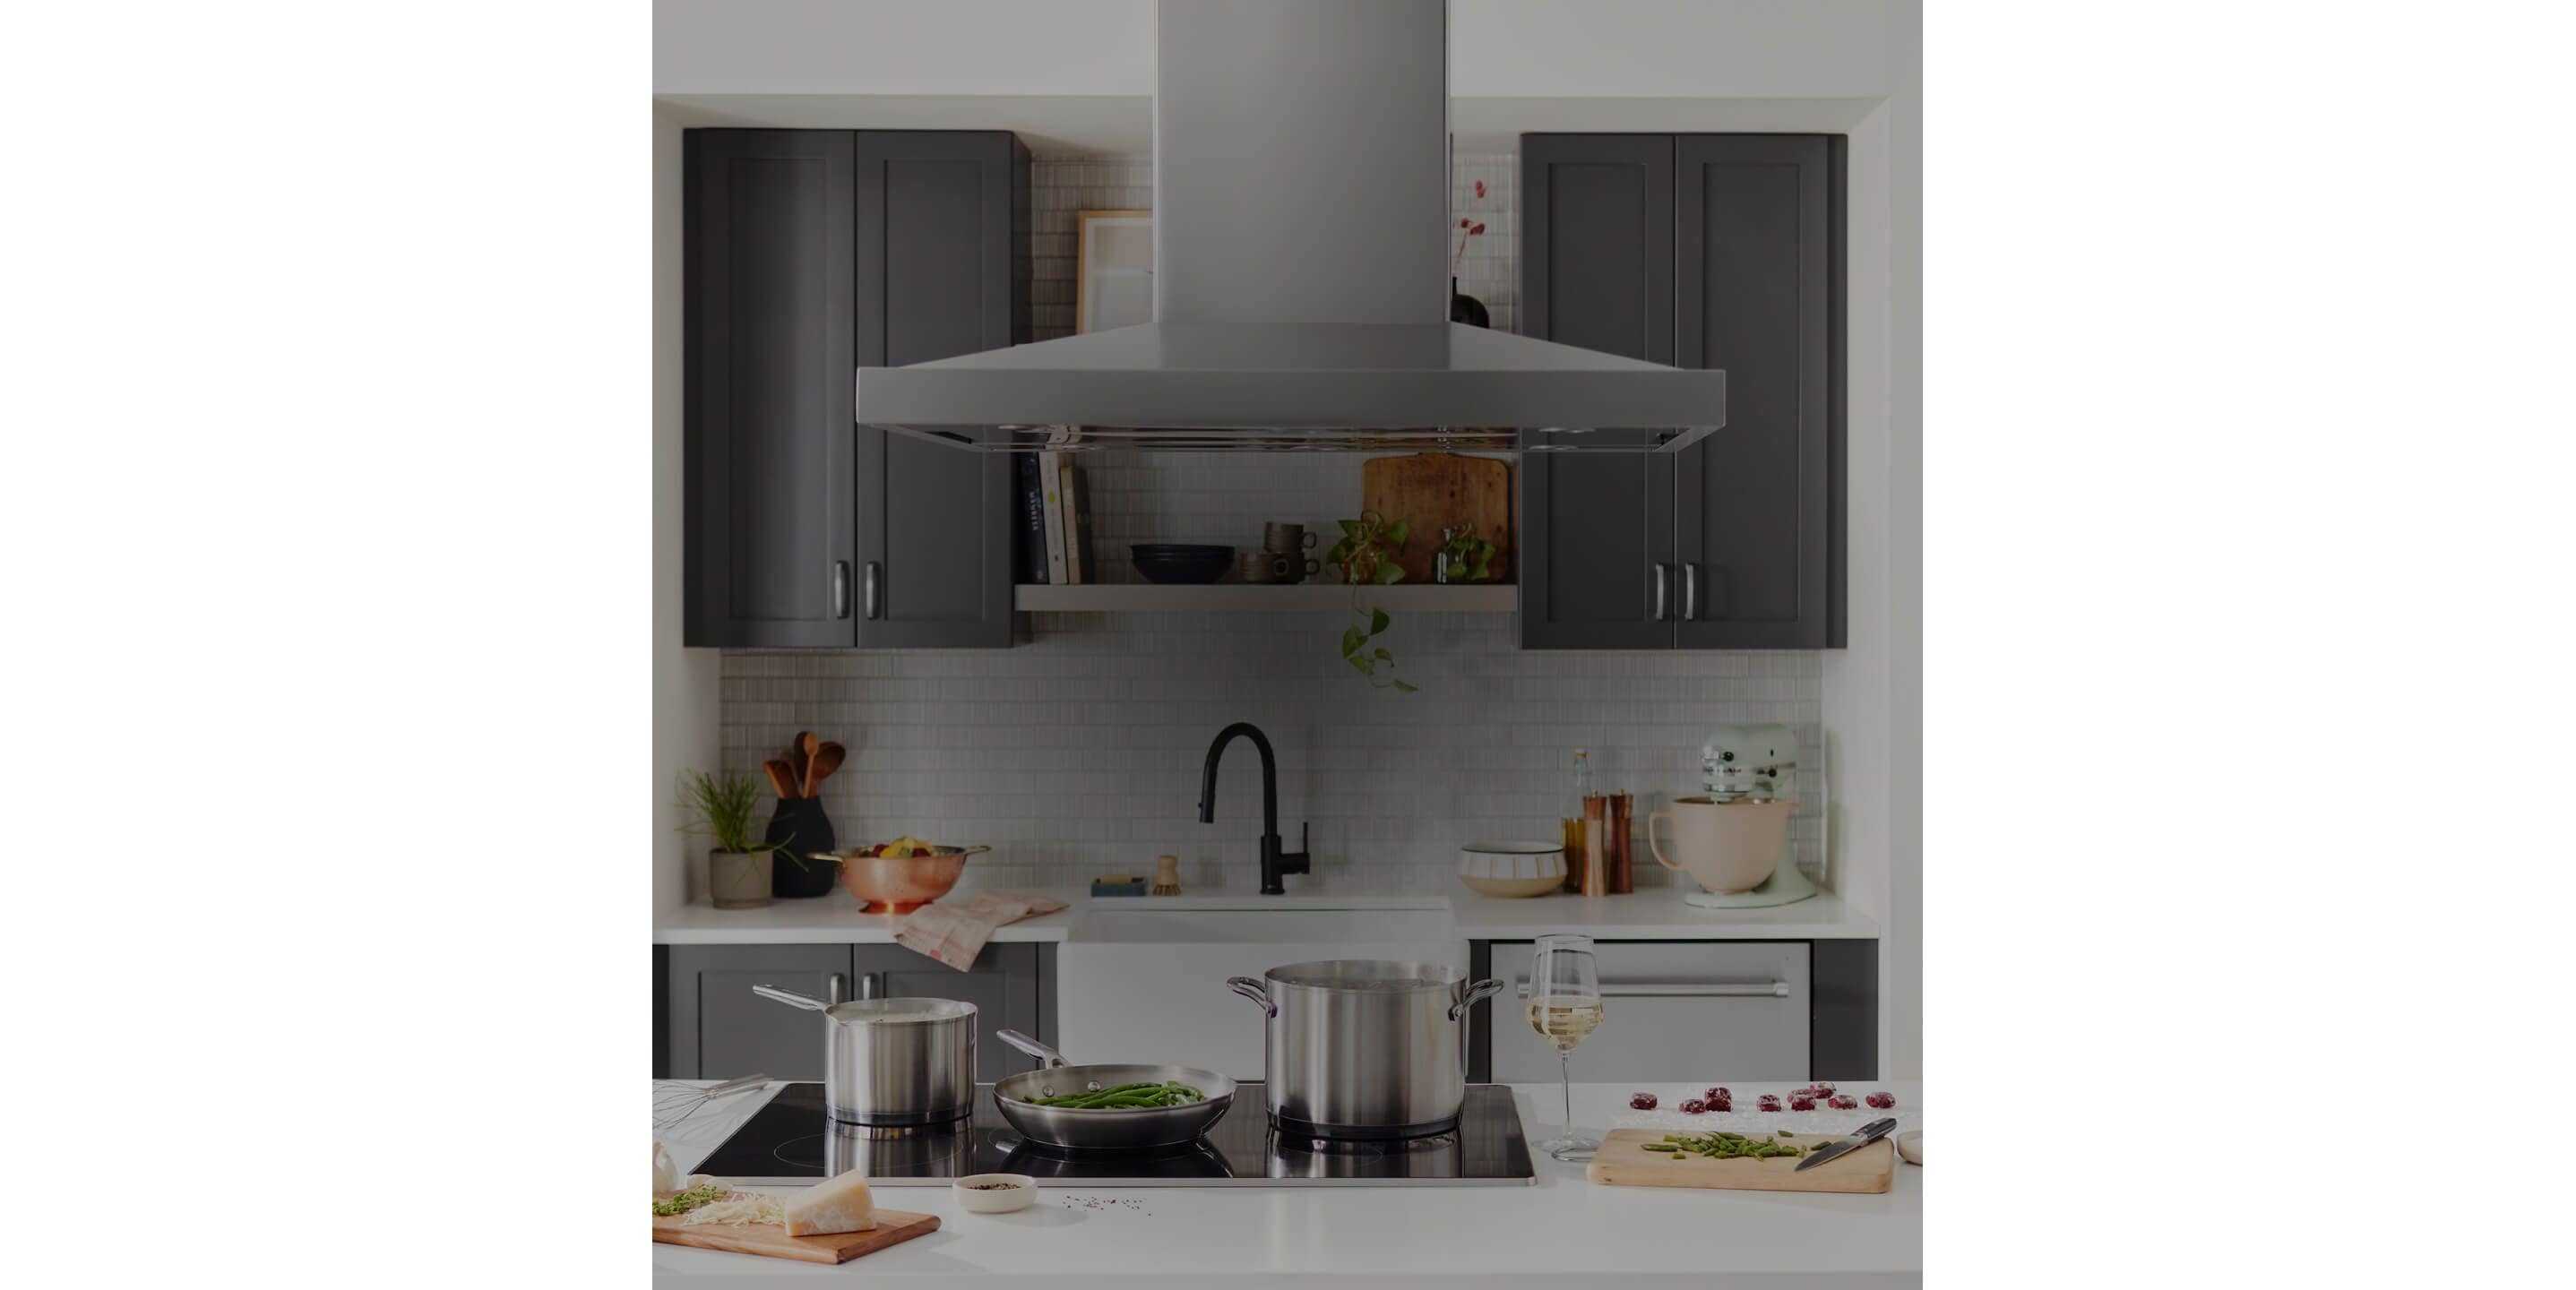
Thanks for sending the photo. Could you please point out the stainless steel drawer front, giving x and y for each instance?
(1671, 1013)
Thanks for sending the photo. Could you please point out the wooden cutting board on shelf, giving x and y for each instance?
(1436, 490)
(1623, 1161)
(772, 1241)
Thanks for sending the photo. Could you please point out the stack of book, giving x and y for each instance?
(1055, 520)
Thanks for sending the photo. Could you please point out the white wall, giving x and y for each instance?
(685, 681)
(1816, 64)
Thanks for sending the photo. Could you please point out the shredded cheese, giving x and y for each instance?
(739, 1209)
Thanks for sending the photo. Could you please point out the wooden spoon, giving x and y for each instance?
(799, 750)
(827, 759)
(780, 777)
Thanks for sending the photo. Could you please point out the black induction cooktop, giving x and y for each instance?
(792, 1141)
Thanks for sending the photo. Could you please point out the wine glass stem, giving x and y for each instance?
(1565, 1080)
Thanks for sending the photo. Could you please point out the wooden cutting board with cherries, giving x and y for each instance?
(1748, 1160)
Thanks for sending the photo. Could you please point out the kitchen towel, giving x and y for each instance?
(955, 934)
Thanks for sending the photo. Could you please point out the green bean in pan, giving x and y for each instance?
(1124, 1097)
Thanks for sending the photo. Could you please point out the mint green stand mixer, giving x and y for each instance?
(1749, 764)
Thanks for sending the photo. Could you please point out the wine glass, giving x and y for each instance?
(1564, 1006)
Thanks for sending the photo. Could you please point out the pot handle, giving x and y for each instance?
(792, 998)
(1255, 991)
(1655, 844)
(1046, 1056)
(1484, 989)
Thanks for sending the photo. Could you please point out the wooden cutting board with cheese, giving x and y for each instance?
(1623, 1161)
(769, 1239)
(1435, 490)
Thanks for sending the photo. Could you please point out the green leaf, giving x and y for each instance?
(1408, 689)
(1387, 573)
(1380, 652)
(1377, 621)
(1350, 529)
(1352, 639)
(1366, 667)
(1398, 532)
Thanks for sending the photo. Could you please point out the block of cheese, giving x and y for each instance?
(834, 1205)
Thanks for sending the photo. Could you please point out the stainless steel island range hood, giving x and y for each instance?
(1301, 288)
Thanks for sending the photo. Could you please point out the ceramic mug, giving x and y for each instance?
(1723, 846)
(1273, 566)
(1287, 539)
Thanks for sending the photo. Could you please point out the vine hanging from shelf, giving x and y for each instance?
(1365, 557)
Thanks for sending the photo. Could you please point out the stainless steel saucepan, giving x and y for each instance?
(1065, 1126)
(893, 1063)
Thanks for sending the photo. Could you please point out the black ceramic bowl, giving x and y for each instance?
(1181, 561)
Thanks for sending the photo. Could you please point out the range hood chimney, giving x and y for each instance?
(1301, 288)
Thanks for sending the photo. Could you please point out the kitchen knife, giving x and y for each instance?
(1860, 1137)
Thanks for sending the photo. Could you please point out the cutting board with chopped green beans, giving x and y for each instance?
(1642, 1158)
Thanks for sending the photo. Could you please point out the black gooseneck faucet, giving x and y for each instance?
(1274, 862)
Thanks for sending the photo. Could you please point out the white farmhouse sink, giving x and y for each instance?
(1147, 983)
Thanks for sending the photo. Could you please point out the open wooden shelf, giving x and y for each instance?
(1244, 597)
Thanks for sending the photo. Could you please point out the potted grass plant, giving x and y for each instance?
(721, 808)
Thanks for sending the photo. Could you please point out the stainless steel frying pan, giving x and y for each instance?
(1064, 1126)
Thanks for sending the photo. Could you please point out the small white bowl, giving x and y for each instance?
(995, 1193)
(1512, 870)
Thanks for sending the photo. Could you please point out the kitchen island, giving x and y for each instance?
(1560, 1231)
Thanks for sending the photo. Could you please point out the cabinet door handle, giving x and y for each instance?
(1688, 990)
(840, 588)
(1663, 590)
(871, 985)
(836, 987)
(1690, 592)
(870, 591)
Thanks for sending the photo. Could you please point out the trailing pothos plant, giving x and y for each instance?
(1365, 557)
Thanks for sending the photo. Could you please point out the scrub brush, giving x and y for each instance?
(1167, 875)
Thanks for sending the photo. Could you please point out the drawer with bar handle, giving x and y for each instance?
(1672, 1012)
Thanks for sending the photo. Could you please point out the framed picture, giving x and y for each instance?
(1114, 273)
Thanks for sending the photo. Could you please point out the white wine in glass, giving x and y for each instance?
(1563, 1021)
(1564, 1006)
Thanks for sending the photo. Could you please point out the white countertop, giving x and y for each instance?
(1651, 914)
(1562, 1232)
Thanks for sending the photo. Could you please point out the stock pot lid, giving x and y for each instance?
(1368, 976)
(899, 1012)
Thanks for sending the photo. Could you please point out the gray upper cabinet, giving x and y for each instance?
(1754, 298)
(942, 271)
(812, 253)
(1704, 251)
(769, 508)
(1597, 271)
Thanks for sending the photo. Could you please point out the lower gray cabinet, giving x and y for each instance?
(1004, 986)
(718, 1029)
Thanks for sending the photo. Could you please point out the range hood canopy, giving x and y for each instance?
(1301, 288)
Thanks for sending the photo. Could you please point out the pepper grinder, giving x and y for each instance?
(1622, 878)
(1596, 858)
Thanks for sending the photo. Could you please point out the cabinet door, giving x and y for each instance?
(719, 1029)
(1597, 271)
(936, 279)
(1003, 985)
(1755, 232)
(768, 511)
